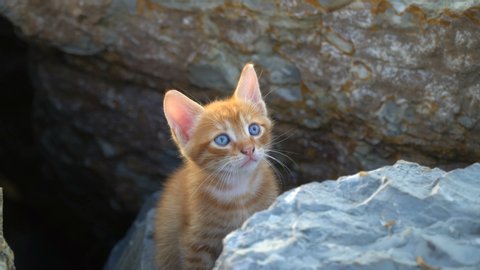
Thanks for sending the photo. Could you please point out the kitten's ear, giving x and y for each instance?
(181, 113)
(249, 89)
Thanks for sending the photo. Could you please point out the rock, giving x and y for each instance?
(351, 85)
(393, 217)
(136, 249)
(6, 254)
(397, 217)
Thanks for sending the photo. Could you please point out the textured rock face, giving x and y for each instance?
(6, 254)
(398, 217)
(352, 85)
(137, 249)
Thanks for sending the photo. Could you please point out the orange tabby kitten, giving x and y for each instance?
(225, 177)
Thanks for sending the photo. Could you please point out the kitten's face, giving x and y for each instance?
(230, 137)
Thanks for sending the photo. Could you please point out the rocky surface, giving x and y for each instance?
(398, 217)
(137, 249)
(6, 254)
(352, 85)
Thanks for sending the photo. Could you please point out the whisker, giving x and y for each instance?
(269, 147)
(211, 176)
(278, 174)
(282, 154)
(276, 138)
(280, 163)
(268, 93)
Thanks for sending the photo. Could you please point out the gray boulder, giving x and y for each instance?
(136, 249)
(397, 217)
(356, 85)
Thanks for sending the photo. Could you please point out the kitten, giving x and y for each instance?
(225, 177)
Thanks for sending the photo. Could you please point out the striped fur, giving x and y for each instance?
(216, 189)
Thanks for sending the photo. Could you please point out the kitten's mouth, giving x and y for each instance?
(248, 161)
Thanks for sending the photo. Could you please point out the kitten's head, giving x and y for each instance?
(228, 136)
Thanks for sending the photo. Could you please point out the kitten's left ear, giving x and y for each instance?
(182, 114)
(248, 88)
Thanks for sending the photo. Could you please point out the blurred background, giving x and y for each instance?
(351, 86)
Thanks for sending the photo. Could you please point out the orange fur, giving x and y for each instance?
(214, 192)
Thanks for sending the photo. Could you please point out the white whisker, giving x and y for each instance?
(282, 154)
(283, 165)
(278, 138)
(277, 173)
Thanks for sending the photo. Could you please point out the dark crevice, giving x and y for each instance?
(42, 231)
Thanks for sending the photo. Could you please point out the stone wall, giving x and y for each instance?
(351, 85)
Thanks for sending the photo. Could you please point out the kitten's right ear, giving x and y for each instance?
(248, 88)
(181, 113)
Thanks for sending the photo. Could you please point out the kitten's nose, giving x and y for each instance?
(248, 150)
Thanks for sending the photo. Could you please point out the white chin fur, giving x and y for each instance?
(240, 184)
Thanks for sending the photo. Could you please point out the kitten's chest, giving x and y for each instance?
(238, 192)
(230, 207)
(239, 216)
(229, 220)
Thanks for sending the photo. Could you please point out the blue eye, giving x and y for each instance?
(222, 139)
(254, 129)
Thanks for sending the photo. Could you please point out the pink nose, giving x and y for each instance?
(248, 150)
